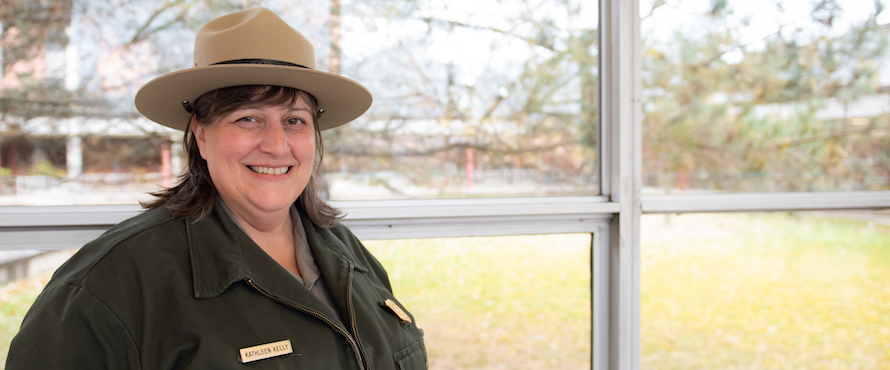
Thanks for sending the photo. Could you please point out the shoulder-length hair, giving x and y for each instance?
(194, 196)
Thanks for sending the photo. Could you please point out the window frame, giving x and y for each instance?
(612, 218)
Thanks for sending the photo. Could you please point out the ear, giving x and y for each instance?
(199, 133)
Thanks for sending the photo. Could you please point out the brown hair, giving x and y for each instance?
(193, 197)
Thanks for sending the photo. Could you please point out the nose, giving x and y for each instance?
(274, 140)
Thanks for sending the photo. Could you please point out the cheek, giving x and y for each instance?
(223, 150)
(304, 148)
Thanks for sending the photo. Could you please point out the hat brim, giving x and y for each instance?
(160, 100)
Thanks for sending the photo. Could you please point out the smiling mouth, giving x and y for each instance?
(270, 170)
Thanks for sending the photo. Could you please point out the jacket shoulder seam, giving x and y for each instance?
(116, 241)
(110, 311)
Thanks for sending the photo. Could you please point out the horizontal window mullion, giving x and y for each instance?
(107, 215)
(757, 202)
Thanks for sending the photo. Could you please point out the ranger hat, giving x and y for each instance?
(251, 47)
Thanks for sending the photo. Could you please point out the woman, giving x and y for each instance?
(242, 263)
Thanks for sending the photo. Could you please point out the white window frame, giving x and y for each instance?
(613, 218)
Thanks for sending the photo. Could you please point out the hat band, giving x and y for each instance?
(261, 61)
(191, 109)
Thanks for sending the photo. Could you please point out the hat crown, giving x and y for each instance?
(256, 34)
(250, 48)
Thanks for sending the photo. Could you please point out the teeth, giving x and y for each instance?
(269, 170)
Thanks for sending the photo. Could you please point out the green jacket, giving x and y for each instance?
(159, 292)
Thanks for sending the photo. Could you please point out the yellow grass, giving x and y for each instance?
(765, 291)
(519, 302)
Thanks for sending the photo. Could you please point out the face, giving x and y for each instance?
(260, 158)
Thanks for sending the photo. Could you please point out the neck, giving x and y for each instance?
(273, 233)
(266, 225)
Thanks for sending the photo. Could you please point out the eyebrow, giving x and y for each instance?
(261, 106)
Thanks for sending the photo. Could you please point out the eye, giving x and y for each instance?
(299, 120)
(247, 122)
(295, 121)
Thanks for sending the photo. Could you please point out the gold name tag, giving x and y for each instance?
(264, 351)
(397, 310)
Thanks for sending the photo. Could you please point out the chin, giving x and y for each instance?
(277, 203)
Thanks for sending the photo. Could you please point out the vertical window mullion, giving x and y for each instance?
(620, 89)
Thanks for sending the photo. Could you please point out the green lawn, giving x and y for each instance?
(719, 291)
(773, 291)
(496, 303)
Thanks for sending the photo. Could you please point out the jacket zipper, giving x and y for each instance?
(352, 316)
(359, 354)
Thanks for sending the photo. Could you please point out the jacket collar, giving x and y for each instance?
(222, 254)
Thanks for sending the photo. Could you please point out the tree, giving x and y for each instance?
(68, 64)
(512, 92)
(770, 115)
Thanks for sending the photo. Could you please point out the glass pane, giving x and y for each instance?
(771, 291)
(764, 95)
(472, 98)
(518, 302)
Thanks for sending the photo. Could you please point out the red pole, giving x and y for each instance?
(470, 168)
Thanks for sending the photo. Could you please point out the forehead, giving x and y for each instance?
(298, 104)
(269, 96)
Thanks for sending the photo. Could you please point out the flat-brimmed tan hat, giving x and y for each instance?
(251, 47)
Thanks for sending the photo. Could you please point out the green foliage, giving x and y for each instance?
(751, 117)
(44, 168)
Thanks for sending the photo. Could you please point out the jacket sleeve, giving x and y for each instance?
(69, 328)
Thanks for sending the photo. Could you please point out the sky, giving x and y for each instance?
(763, 15)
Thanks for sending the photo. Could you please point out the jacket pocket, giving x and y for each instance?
(412, 357)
